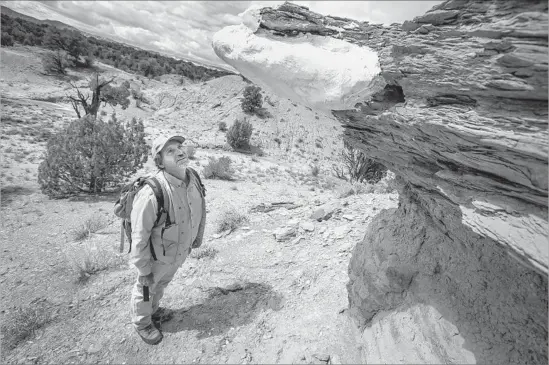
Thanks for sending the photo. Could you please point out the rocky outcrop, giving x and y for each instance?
(455, 103)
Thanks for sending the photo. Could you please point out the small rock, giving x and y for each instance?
(348, 217)
(297, 240)
(322, 357)
(341, 232)
(318, 214)
(292, 223)
(308, 226)
(284, 233)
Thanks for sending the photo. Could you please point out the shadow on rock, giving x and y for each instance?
(231, 306)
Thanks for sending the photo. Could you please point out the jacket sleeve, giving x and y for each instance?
(142, 218)
(200, 235)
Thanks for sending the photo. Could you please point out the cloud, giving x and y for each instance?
(184, 29)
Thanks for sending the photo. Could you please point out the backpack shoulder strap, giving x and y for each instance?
(163, 205)
(195, 174)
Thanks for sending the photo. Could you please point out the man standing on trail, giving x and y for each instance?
(160, 250)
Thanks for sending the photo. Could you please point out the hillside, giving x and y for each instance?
(82, 49)
(244, 297)
(54, 23)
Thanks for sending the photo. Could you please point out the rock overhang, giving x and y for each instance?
(323, 73)
(472, 115)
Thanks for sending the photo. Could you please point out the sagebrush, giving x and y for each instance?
(92, 155)
(204, 252)
(231, 219)
(219, 168)
(239, 134)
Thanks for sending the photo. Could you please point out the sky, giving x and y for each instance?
(184, 29)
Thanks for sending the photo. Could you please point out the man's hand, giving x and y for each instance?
(146, 280)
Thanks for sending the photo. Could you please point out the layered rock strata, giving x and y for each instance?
(455, 103)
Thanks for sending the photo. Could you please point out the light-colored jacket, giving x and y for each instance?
(171, 244)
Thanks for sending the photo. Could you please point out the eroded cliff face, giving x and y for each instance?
(455, 103)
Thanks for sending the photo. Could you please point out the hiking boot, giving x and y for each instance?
(162, 315)
(150, 334)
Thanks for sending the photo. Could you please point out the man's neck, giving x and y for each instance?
(181, 175)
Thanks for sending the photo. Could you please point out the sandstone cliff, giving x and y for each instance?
(455, 103)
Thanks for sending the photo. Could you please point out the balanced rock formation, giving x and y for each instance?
(455, 103)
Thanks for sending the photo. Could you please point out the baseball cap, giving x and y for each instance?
(161, 141)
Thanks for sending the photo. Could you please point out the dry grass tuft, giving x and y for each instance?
(89, 259)
(22, 323)
(91, 225)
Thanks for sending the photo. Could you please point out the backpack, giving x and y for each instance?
(124, 204)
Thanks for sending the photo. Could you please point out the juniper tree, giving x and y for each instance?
(92, 155)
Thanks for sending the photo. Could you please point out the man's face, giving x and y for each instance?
(174, 158)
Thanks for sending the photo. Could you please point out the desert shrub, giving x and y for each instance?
(204, 252)
(239, 134)
(55, 63)
(222, 126)
(219, 168)
(72, 42)
(355, 166)
(252, 100)
(23, 322)
(91, 155)
(7, 40)
(89, 61)
(315, 170)
(231, 219)
(139, 96)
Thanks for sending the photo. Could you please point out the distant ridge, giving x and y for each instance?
(55, 23)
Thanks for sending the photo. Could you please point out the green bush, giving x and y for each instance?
(239, 134)
(252, 100)
(219, 168)
(91, 155)
(222, 126)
